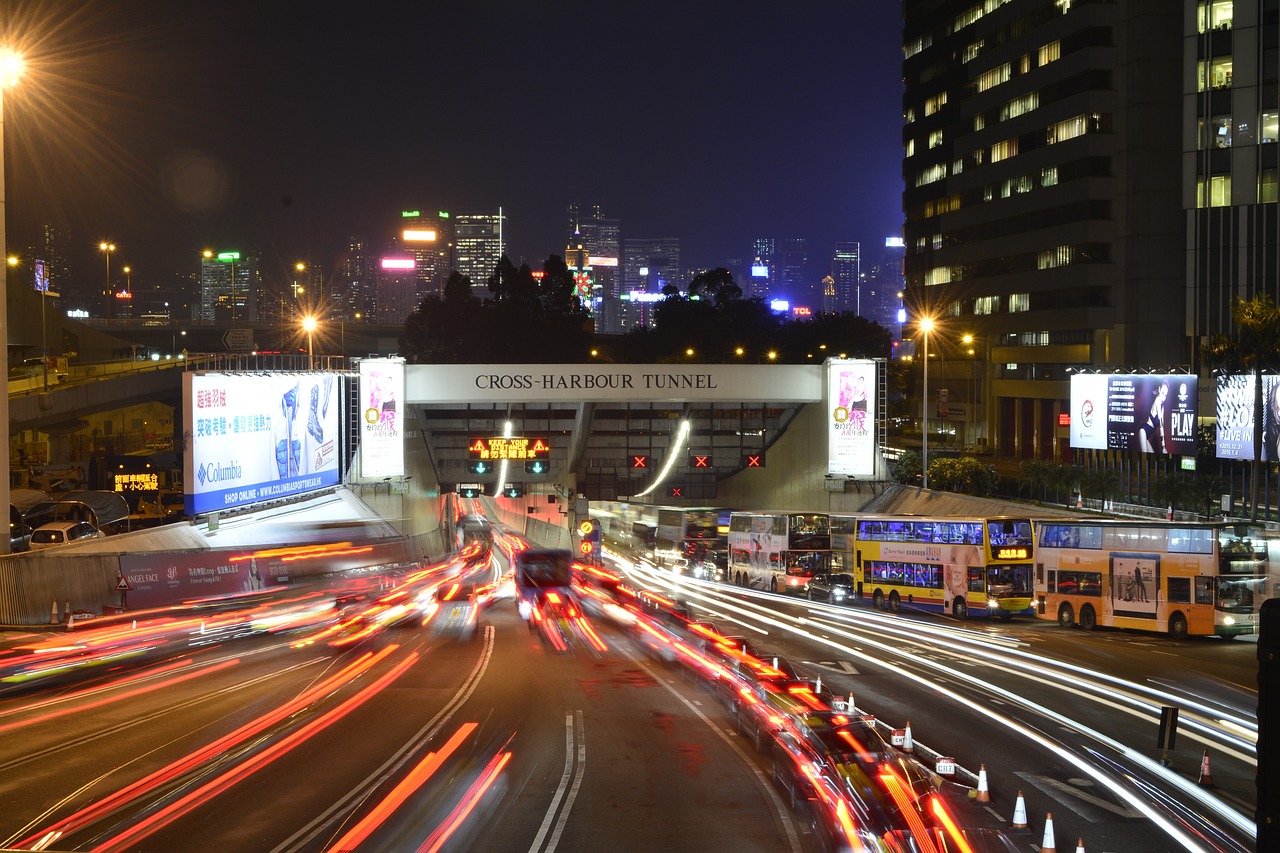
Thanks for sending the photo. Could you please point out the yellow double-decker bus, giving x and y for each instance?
(961, 566)
(1183, 578)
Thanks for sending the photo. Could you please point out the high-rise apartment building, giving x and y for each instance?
(478, 245)
(1041, 217)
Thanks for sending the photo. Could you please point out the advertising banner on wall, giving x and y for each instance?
(1145, 413)
(258, 437)
(381, 421)
(163, 580)
(851, 417)
(1235, 430)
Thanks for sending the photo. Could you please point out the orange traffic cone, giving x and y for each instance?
(1047, 845)
(1080, 846)
(53, 614)
(1020, 812)
(983, 795)
(71, 621)
(1206, 778)
(907, 745)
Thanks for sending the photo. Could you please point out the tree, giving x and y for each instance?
(1254, 348)
(1104, 484)
(964, 474)
(907, 467)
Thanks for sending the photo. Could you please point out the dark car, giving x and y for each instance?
(836, 588)
(19, 537)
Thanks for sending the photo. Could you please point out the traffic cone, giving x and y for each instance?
(1047, 845)
(907, 745)
(1020, 812)
(1080, 846)
(1206, 778)
(71, 620)
(53, 614)
(983, 795)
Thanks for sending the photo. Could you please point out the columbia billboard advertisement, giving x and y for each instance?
(381, 421)
(258, 437)
(851, 417)
(1236, 428)
(1146, 413)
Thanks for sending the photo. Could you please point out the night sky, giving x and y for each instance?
(170, 127)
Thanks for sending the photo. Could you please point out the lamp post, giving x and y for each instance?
(297, 288)
(10, 71)
(309, 324)
(107, 248)
(925, 326)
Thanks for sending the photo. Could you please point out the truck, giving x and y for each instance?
(542, 576)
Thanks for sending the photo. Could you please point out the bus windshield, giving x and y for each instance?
(1240, 593)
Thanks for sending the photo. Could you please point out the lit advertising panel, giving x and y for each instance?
(258, 437)
(1235, 429)
(419, 235)
(759, 271)
(381, 428)
(399, 264)
(851, 416)
(1145, 413)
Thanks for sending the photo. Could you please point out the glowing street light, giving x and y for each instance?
(309, 325)
(924, 326)
(10, 71)
(107, 248)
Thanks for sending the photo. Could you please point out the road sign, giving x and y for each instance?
(238, 340)
(122, 585)
(640, 461)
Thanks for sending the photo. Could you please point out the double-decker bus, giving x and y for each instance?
(1183, 578)
(959, 566)
(778, 551)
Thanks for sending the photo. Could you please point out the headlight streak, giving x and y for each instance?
(1191, 790)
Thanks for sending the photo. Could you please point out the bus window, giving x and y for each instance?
(977, 583)
(1179, 591)
(1204, 590)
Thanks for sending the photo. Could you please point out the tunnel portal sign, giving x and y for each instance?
(509, 448)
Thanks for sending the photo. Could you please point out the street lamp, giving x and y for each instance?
(10, 71)
(107, 248)
(297, 288)
(925, 326)
(309, 325)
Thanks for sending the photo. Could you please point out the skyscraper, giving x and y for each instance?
(601, 238)
(230, 284)
(428, 238)
(793, 273)
(478, 245)
(1039, 142)
(648, 265)
(846, 272)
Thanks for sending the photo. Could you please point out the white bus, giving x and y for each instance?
(778, 551)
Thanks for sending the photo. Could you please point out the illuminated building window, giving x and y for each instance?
(1214, 15)
(1270, 126)
(911, 147)
(1019, 106)
(1267, 186)
(993, 78)
(909, 50)
(979, 122)
(1071, 128)
(957, 167)
(935, 138)
(1004, 150)
(937, 241)
(932, 174)
(1050, 52)
(986, 305)
(937, 275)
(1019, 302)
(1057, 257)
(1214, 192)
(971, 51)
(935, 103)
(1218, 70)
(1049, 176)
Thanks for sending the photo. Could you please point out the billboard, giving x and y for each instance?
(1235, 429)
(258, 437)
(851, 416)
(381, 426)
(1145, 413)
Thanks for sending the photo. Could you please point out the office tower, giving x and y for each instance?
(601, 238)
(352, 288)
(395, 290)
(846, 273)
(1039, 141)
(648, 265)
(478, 246)
(428, 237)
(759, 277)
(880, 287)
(1231, 177)
(230, 284)
(793, 273)
(48, 260)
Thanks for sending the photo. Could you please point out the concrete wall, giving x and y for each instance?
(795, 474)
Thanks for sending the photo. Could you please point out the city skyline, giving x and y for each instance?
(169, 130)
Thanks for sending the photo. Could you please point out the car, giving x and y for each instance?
(62, 532)
(19, 537)
(836, 588)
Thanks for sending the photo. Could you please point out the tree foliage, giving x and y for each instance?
(963, 474)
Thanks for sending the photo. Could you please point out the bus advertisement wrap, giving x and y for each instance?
(258, 437)
(381, 427)
(851, 395)
(1235, 429)
(1146, 413)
